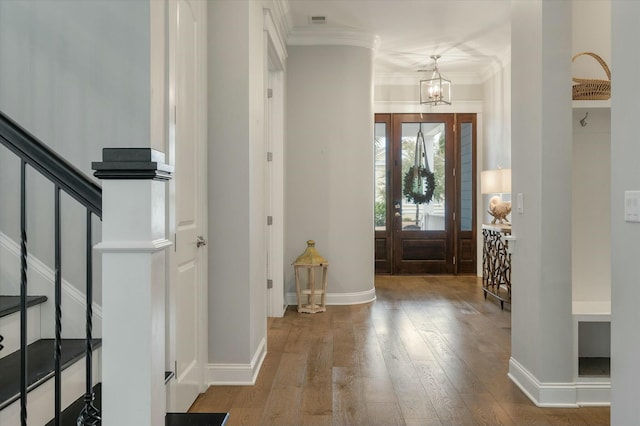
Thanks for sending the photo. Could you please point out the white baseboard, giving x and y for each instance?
(339, 298)
(237, 374)
(41, 282)
(573, 394)
(594, 394)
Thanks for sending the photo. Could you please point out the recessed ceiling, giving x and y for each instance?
(471, 35)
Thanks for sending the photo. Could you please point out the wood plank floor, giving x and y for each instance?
(429, 351)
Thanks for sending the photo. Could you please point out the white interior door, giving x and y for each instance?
(187, 139)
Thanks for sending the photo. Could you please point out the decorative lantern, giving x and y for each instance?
(437, 89)
(311, 261)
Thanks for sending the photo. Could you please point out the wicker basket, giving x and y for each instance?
(592, 89)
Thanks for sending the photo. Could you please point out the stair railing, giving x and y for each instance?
(65, 177)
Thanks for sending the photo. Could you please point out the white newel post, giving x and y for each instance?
(133, 285)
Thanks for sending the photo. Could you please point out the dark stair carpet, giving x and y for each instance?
(11, 304)
(40, 365)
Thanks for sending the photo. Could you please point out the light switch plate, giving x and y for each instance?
(632, 206)
(520, 203)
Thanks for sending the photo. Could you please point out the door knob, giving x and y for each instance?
(397, 214)
(200, 241)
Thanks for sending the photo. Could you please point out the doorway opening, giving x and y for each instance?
(425, 186)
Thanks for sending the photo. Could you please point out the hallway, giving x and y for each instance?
(429, 351)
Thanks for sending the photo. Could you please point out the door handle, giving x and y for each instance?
(397, 214)
(200, 241)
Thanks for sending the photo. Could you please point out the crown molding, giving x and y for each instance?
(497, 65)
(280, 15)
(332, 36)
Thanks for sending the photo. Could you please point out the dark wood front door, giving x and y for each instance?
(427, 224)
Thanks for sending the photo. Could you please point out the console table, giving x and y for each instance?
(496, 262)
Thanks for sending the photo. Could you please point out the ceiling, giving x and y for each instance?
(472, 36)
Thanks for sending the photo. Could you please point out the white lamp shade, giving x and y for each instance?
(495, 181)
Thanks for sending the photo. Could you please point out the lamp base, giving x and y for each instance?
(499, 209)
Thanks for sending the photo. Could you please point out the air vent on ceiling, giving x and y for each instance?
(317, 19)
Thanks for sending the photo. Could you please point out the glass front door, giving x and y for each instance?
(428, 223)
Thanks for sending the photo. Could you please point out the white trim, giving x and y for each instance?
(276, 41)
(237, 374)
(413, 107)
(340, 298)
(574, 394)
(42, 283)
(503, 61)
(133, 246)
(542, 394)
(593, 394)
(332, 36)
(280, 13)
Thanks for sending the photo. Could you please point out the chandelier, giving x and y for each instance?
(437, 89)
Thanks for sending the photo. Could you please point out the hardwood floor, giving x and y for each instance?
(429, 351)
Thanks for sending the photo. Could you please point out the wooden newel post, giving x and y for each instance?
(133, 285)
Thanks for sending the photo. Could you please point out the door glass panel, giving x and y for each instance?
(380, 170)
(466, 176)
(423, 171)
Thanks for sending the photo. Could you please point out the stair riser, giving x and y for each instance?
(40, 401)
(41, 282)
(10, 330)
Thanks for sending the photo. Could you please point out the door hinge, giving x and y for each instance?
(175, 368)
(269, 93)
(454, 216)
(175, 115)
(454, 172)
(175, 242)
(269, 284)
(269, 156)
(269, 220)
(454, 260)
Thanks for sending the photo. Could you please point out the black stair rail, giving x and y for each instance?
(65, 177)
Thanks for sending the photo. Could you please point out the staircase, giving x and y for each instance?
(45, 377)
(40, 360)
(41, 369)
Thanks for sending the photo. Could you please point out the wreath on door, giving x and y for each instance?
(419, 180)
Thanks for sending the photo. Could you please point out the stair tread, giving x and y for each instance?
(40, 363)
(196, 419)
(11, 304)
(70, 414)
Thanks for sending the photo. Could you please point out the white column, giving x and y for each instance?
(541, 337)
(625, 236)
(133, 286)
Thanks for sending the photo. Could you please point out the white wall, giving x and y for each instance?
(78, 76)
(591, 31)
(625, 175)
(329, 165)
(541, 338)
(591, 216)
(496, 145)
(237, 252)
